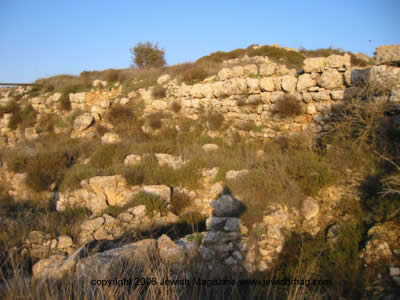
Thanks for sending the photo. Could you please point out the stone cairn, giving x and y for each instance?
(221, 247)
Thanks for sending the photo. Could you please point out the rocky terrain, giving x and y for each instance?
(256, 170)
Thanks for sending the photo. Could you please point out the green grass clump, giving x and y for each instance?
(74, 176)
(23, 118)
(113, 211)
(311, 172)
(153, 203)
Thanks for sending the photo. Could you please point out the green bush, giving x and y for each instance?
(147, 55)
(74, 176)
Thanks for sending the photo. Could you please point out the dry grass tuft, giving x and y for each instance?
(289, 106)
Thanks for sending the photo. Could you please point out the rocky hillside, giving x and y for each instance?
(268, 161)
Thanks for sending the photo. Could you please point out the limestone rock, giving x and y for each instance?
(31, 134)
(267, 69)
(92, 225)
(250, 69)
(196, 91)
(309, 208)
(169, 160)
(232, 174)
(267, 84)
(387, 54)
(83, 121)
(226, 206)
(289, 83)
(305, 81)
(225, 74)
(110, 138)
(159, 104)
(210, 147)
(163, 79)
(338, 61)
(163, 191)
(101, 264)
(169, 251)
(99, 83)
(331, 79)
(132, 160)
(314, 64)
(64, 241)
(252, 84)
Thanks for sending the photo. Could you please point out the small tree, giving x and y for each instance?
(147, 55)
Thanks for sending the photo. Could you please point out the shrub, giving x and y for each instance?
(179, 202)
(147, 55)
(65, 103)
(155, 119)
(176, 107)
(195, 73)
(215, 120)
(289, 106)
(310, 171)
(159, 92)
(126, 121)
(24, 118)
(44, 169)
(110, 75)
(106, 155)
(135, 175)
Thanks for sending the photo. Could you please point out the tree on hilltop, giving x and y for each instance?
(145, 55)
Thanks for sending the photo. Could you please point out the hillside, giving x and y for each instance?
(263, 163)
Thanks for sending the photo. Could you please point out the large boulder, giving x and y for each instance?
(225, 74)
(314, 64)
(331, 79)
(338, 61)
(83, 122)
(267, 84)
(163, 79)
(103, 264)
(309, 208)
(305, 81)
(162, 191)
(170, 251)
(110, 138)
(289, 83)
(388, 54)
(267, 69)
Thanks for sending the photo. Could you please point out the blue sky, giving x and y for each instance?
(41, 38)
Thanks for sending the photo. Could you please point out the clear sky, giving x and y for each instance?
(41, 38)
